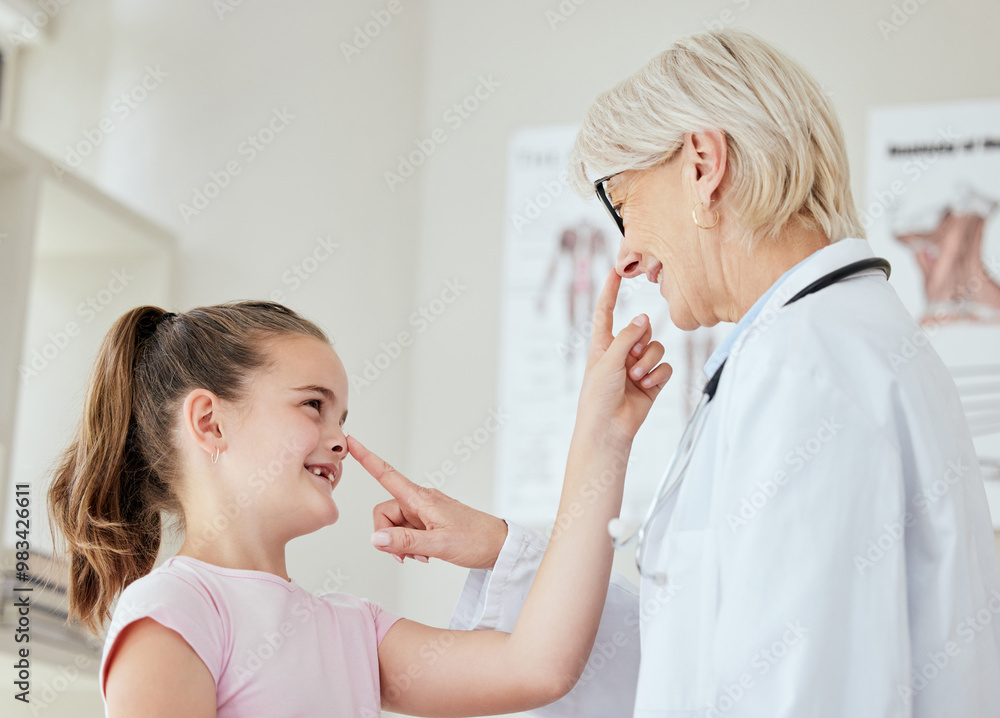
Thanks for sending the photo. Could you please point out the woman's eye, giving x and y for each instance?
(315, 403)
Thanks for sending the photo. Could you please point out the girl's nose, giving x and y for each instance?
(340, 444)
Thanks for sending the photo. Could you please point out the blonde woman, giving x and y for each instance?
(828, 548)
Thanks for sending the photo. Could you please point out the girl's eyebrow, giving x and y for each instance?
(326, 393)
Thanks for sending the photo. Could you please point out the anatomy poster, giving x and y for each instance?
(558, 249)
(932, 210)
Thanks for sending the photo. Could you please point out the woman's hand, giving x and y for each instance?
(622, 378)
(421, 522)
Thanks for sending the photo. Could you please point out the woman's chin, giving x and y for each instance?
(682, 318)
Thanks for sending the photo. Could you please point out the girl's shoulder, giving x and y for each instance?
(175, 597)
(369, 612)
(173, 583)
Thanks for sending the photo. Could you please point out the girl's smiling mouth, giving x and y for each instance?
(330, 472)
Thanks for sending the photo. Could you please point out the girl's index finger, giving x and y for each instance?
(604, 311)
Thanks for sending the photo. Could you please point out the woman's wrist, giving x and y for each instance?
(498, 538)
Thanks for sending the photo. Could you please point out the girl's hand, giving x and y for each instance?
(622, 378)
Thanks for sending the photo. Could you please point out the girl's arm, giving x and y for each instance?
(436, 672)
(152, 671)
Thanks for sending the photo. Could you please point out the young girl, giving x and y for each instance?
(231, 418)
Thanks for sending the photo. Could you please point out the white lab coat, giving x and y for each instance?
(830, 551)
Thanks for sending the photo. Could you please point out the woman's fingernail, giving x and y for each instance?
(637, 348)
(639, 320)
(380, 539)
(422, 559)
(399, 559)
(637, 371)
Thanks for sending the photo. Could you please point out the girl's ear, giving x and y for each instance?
(201, 418)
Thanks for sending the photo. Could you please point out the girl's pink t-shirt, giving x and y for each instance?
(272, 647)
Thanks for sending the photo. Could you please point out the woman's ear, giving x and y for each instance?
(711, 155)
(201, 418)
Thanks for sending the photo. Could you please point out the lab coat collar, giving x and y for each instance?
(821, 262)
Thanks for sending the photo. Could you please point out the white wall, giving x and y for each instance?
(352, 119)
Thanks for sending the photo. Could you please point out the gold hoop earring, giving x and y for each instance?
(216, 457)
(694, 216)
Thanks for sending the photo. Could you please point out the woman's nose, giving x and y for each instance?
(628, 265)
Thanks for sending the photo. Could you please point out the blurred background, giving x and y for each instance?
(327, 155)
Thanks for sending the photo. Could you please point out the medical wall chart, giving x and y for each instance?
(931, 209)
(558, 250)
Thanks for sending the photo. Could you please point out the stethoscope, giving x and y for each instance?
(679, 460)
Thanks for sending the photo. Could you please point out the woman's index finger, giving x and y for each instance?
(383, 472)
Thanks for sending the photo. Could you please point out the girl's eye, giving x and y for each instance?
(315, 403)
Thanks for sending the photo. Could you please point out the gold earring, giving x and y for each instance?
(216, 457)
(694, 216)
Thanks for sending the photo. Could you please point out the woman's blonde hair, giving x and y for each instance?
(121, 470)
(786, 155)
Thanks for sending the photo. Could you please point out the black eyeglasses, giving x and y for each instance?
(602, 192)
